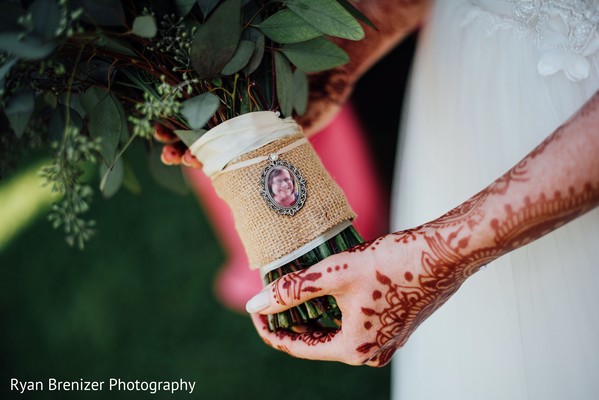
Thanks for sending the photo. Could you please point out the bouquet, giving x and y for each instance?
(87, 79)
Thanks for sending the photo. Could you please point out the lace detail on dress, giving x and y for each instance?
(566, 32)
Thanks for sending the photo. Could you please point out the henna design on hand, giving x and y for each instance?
(407, 305)
(448, 260)
(293, 285)
(372, 245)
(310, 338)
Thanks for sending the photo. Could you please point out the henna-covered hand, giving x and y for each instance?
(386, 288)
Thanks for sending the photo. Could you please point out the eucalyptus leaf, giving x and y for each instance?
(107, 120)
(111, 178)
(130, 181)
(168, 177)
(265, 83)
(183, 7)
(315, 55)
(328, 16)
(199, 109)
(91, 97)
(284, 78)
(189, 137)
(356, 13)
(5, 69)
(74, 102)
(116, 46)
(300, 92)
(50, 99)
(285, 26)
(144, 26)
(258, 38)
(28, 47)
(59, 119)
(18, 110)
(45, 104)
(244, 106)
(207, 6)
(216, 40)
(46, 17)
(242, 56)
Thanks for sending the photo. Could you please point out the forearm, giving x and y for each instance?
(555, 183)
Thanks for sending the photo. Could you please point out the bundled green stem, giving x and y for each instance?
(321, 312)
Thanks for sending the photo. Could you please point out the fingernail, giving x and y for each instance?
(259, 302)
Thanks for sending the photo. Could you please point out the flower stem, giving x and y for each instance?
(321, 312)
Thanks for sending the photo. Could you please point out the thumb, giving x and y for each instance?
(295, 288)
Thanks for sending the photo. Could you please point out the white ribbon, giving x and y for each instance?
(237, 136)
(252, 161)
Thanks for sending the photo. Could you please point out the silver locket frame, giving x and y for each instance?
(276, 163)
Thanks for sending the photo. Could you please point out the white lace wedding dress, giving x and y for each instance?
(491, 80)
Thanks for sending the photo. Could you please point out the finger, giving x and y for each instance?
(164, 135)
(325, 277)
(189, 160)
(325, 345)
(172, 154)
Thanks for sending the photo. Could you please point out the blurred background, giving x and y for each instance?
(138, 303)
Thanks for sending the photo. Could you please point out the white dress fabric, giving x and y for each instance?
(491, 79)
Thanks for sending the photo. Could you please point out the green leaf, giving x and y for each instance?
(170, 178)
(46, 17)
(28, 47)
(216, 40)
(115, 45)
(73, 102)
(50, 99)
(206, 6)
(130, 181)
(284, 79)
(19, 109)
(107, 120)
(198, 110)
(300, 91)
(258, 38)
(189, 137)
(58, 121)
(5, 69)
(357, 13)
(315, 55)
(111, 179)
(104, 12)
(286, 26)
(144, 26)
(328, 16)
(242, 55)
(183, 7)
(244, 105)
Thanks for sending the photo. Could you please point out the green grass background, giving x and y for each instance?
(138, 303)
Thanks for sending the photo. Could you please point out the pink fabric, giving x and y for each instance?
(344, 152)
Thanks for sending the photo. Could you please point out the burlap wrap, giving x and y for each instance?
(265, 234)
